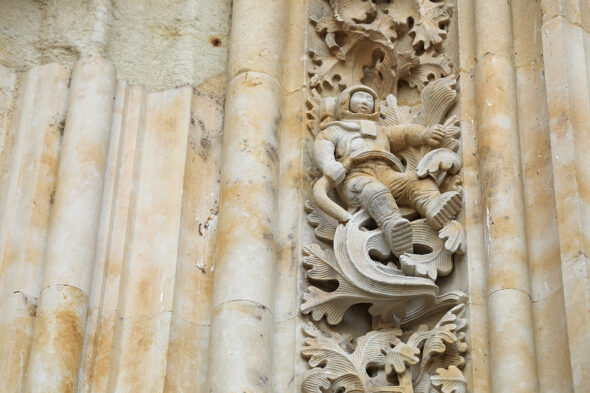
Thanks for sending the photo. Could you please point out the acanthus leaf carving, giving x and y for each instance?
(379, 44)
(428, 359)
(427, 30)
(449, 380)
(334, 368)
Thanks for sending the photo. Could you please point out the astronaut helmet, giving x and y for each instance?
(360, 104)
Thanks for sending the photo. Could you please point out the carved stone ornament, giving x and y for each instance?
(384, 207)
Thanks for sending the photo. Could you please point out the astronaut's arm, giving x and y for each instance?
(323, 153)
(402, 136)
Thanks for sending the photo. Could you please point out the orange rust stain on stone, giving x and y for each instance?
(103, 352)
(61, 336)
(250, 82)
(68, 340)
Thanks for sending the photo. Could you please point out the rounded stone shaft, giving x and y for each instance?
(240, 350)
(71, 245)
(512, 347)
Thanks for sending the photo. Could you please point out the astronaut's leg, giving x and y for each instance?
(436, 207)
(376, 199)
(424, 196)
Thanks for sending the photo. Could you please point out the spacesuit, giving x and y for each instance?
(374, 181)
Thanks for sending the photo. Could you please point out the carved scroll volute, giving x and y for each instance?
(384, 207)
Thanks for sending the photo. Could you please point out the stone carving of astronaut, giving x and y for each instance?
(371, 180)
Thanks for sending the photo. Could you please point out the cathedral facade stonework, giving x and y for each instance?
(295, 196)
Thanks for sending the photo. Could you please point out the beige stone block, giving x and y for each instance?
(8, 93)
(466, 37)
(169, 43)
(527, 20)
(290, 204)
(512, 349)
(27, 189)
(301, 365)
(587, 48)
(500, 176)
(568, 9)
(17, 317)
(200, 209)
(295, 43)
(553, 362)
(545, 268)
(140, 353)
(19, 49)
(540, 210)
(576, 282)
(284, 348)
(477, 360)
(257, 35)
(131, 121)
(70, 29)
(246, 229)
(585, 13)
(57, 343)
(95, 378)
(128, 115)
(493, 29)
(241, 353)
(95, 301)
(474, 271)
(569, 112)
(73, 230)
(152, 241)
(187, 357)
(87, 353)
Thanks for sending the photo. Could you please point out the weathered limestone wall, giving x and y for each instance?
(126, 273)
(159, 44)
(154, 170)
(130, 310)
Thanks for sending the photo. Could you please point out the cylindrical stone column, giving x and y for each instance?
(512, 346)
(240, 350)
(71, 245)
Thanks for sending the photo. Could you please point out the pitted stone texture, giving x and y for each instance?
(32, 147)
(71, 242)
(246, 229)
(143, 342)
(241, 356)
(160, 44)
(253, 48)
(57, 342)
(17, 318)
(510, 310)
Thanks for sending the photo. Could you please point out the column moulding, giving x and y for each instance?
(510, 323)
(565, 57)
(71, 245)
(242, 322)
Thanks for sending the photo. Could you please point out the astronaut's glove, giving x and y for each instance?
(335, 172)
(432, 136)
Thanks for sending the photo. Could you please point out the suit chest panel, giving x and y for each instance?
(352, 141)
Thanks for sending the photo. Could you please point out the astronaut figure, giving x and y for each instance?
(373, 182)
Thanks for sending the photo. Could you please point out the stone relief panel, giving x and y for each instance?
(387, 189)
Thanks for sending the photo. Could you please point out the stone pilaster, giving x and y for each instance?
(71, 243)
(510, 317)
(240, 353)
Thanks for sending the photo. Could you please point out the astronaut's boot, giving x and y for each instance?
(397, 230)
(441, 208)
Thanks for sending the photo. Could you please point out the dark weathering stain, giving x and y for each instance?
(215, 41)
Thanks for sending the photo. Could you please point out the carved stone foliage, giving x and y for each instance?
(385, 201)
(378, 43)
(428, 360)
